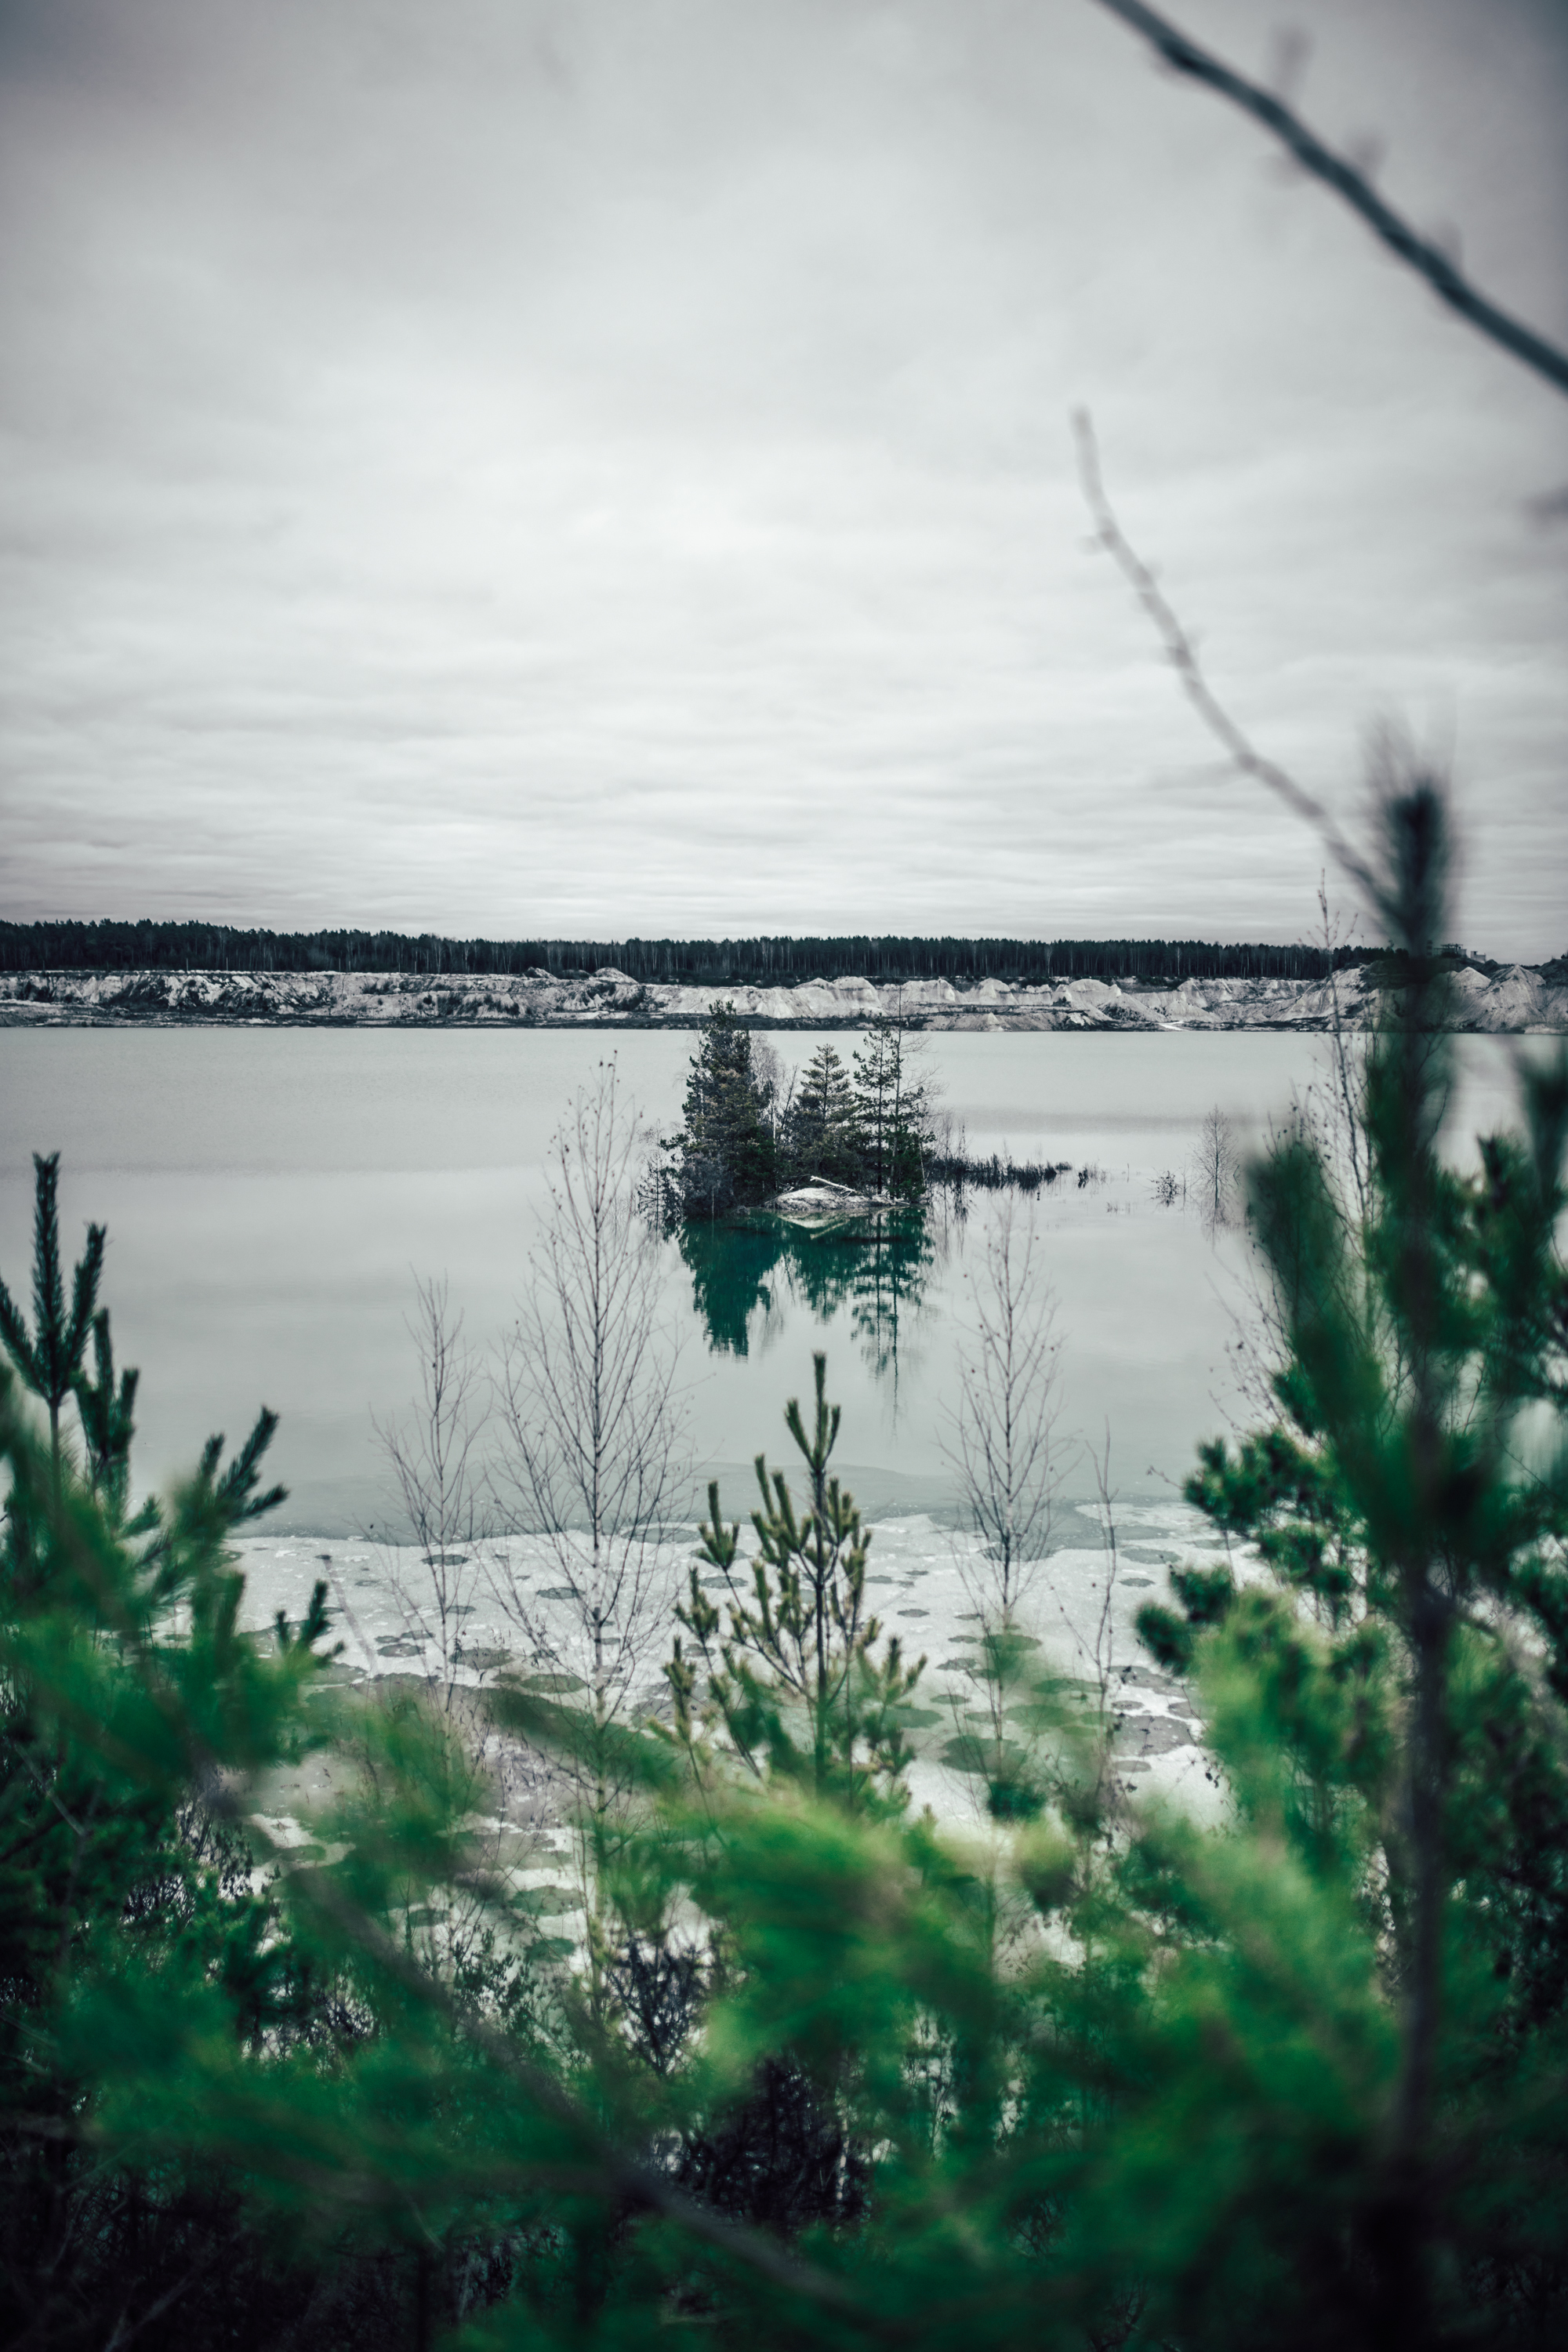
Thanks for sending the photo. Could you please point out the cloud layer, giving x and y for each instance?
(518, 466)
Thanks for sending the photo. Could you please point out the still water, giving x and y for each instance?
(272, 1194)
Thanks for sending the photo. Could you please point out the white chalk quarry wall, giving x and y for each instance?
(1514, 1001)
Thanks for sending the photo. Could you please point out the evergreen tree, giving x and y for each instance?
(892, 1107)
(107, 1411)
(727, 1154)
(49, 1359)
(1093, 2074)
(125, 1694)
(1393, 1708)
(794, 1682)
(877, 1086)
(826, 1136)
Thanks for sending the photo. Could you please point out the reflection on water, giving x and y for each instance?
(745, 1271)
(267, 1191)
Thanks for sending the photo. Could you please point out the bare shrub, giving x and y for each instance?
(434, 1451)
(592, 1459)
(1002, 1432)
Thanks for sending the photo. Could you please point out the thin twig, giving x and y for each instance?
(124, 2335)
(1353, 184)
(1183, 656)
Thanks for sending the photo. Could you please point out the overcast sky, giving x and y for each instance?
(603, 467)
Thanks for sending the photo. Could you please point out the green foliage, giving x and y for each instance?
(727, 1156)
(49, 1357)
(737, 1146)
(824, 1134)
(794, 1683)
(108, 1411)
(1393, 1707)
(127, 1697)
(894, 1114)
(868, 1131)
(817, 2071)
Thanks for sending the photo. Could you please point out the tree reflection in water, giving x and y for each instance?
(877, 1266)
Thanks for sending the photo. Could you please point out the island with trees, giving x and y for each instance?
(837, 1135)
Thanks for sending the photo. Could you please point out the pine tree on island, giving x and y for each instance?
(826, 1136)
(727, 1154)
(739, 1149)
(893, 1110)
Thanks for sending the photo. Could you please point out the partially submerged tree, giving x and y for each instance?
(894, 1105)
(1216, 1167)
(747, 1131)
(1002, 1442)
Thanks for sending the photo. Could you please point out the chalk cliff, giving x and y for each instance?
(1518, 999)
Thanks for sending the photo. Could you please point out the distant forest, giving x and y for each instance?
(762, 964)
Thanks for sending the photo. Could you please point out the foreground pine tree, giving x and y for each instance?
(1393, 1698)
(126, 1698)
(1084, 2073)
(49, 1359)
(796, 1687)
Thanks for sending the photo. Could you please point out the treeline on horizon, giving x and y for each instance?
(147, 946)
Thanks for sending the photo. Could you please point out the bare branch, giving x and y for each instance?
(1183, 656)
(1434, 258)
(1104, 1651)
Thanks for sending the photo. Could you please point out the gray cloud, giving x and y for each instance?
(534, 467)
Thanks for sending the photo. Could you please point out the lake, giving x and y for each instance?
(272, 1194)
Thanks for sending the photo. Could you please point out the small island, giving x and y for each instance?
(837, 1140)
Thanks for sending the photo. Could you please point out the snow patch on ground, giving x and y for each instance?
(920, 1584)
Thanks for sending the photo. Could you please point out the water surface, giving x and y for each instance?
(271, 1195)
